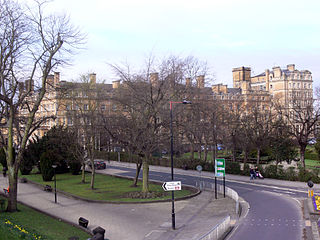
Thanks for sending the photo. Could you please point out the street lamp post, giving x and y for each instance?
(55, 183)
(171, 150)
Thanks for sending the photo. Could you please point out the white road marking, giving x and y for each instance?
(154, 231)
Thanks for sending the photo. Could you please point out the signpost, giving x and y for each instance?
(171, 186)
(199, 169)
(220, 171)
(220, 167)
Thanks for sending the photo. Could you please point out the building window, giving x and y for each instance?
(70, 121)
(271, 86)
(103, 107)
(85, 107)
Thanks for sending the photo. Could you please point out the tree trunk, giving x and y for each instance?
(234, 154)
(205, 153)
(13, 186)
(135, 180)
(12, 168)
(92, 173)
(258, 156)
(302, 152)
(245, 156)
(83, 173)
(192, 152)
(214, 152)
(145, 178)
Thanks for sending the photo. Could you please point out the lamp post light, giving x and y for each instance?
(171, 150)
(55, 183)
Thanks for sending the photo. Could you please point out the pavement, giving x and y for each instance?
(195, 217)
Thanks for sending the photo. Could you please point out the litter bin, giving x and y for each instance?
(99, 230)
(97, 236)
(83, 222)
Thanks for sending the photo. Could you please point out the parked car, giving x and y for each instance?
(98, 164)
(312, 141)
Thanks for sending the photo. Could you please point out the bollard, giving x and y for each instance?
(310, 193)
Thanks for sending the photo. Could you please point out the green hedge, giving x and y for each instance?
(302, 175)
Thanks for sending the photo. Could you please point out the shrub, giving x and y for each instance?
(3, 159)
(26, 163)
(291, 174)
(270, 171)
(233, 167)
(75, 167)
(305, 175)
(246, 169)
(46, 161)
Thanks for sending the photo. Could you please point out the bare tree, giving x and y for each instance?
(141, 102)
(257, 125)
(85, 101)
(302, 117)
(32, 45)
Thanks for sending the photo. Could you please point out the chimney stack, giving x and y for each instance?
(29, 84)
(276, 72)
(92, 78)
(267, 79)
(200, 81)
(115, 84)
(188, 82)
(154, 77)
(291, 67)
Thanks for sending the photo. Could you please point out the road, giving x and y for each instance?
(275, 211)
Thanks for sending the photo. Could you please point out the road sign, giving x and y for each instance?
(220, 167)
(199, 168)
(171, 186)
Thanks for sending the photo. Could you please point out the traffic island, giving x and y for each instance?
(312, 221)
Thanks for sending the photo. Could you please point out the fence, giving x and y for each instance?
(229, 192)
(217, 231)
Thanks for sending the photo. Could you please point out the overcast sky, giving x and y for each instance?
(226, 33)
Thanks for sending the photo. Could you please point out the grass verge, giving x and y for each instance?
(31, 224)
(107, 188)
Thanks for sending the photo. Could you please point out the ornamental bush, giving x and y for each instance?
(233, 167)
(3, 159)
(46, 161)
(75, 167)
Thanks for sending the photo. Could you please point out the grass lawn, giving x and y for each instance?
(30, 224)
(312, 163)
(107, 188)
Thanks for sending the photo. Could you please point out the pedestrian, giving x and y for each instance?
(4, 171)
(252, 173)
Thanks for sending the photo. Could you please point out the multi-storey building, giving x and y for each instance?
(71, 103)
(64, 100)
(289, 87)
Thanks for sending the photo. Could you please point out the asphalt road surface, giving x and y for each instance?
(275, 212)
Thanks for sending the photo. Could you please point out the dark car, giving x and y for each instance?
(98, 164)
